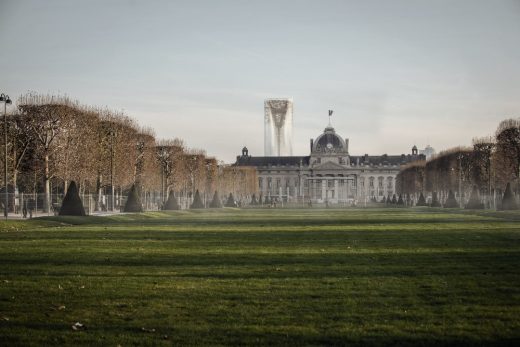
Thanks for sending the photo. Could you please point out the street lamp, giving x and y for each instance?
(6, 100)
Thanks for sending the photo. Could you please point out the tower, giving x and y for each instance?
(278, 127)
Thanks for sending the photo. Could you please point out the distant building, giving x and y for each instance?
(428, 152)
(278, 127)
(329, 174)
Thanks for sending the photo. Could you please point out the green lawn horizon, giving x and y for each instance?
(394, 276)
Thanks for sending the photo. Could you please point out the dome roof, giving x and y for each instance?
(329, 141)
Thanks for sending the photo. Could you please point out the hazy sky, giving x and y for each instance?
(395, 72)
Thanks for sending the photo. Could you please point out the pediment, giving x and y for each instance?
(328, 166)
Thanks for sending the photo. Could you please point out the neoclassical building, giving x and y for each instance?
(329, 174)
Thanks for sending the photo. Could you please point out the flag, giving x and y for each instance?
(330, 113)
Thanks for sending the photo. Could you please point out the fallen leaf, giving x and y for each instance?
(78, 326)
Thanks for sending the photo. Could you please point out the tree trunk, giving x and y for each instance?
(99, 192)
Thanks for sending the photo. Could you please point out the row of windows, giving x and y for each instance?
(294, 182)
(380, 182)
(290, 182)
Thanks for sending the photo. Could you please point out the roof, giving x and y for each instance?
(273, 161)
(295, 160)
(385, 159)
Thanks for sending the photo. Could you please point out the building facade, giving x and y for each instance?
(278, 127)
(329, 174)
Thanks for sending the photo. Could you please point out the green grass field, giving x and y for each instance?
(263, 277)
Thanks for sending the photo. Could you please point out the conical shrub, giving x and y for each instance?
(435, 200)
(215, 202)
(394, 199)
(197, 201)
(451, 202)
(171, 203)
(253, 200)
(72, 205)
(230, 201)
(383, 200)
(474, 202)
(400, 201)
(133, 203)
(508, 201)
(421, 201)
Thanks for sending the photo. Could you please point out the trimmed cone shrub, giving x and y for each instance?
(133, 203)
(231, 201)
(72, 205)
(451, 202)
(384, 200)
(253, 200)
(215, 203)
(197, 201)
(267, 201)
(508, 201)
(171, 203)
(421, 201)
(474, 200)
(400, 201)
(260, 201)
(435, 200)
(394, 199)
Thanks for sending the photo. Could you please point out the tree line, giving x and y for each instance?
(483, 171)
(53, 140)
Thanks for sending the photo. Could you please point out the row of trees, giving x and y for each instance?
(488, 166)
(54, 140)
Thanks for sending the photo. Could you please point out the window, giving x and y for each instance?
(260, 182)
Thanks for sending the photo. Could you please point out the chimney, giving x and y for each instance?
(312, 143)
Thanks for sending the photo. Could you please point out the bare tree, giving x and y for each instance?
(47, 117)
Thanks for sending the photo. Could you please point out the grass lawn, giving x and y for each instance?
(283, 277)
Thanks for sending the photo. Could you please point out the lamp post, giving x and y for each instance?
(461, 204)
(112, 170)
(6, 100)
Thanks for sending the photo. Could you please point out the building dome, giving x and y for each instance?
(329, 141)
